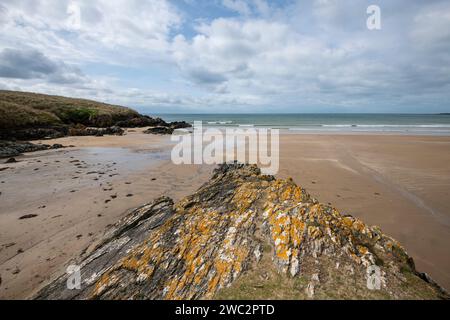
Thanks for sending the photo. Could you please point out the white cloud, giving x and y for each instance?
(334, 61)
(294, 55)
(260, 57)
(105, 29)
(239, 6)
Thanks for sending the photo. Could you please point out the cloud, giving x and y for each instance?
(25, 64)
(32, 64)
(333, 60)
(202, 76)
(247, 8)
(431, 30)
(296, 55)
(89, 30)
(239, 6)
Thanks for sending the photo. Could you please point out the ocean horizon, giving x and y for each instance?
(433, 124)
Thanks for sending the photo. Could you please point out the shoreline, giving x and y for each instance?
(386, 180)
(310, 123)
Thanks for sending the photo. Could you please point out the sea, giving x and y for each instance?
(427, 124)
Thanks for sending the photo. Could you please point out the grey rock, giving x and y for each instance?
(160, 130)
(240, 223)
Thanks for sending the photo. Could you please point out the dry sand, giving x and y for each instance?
(401, 183)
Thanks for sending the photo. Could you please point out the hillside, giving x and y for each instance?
(244, 235)
(31, 116)
(20, 110)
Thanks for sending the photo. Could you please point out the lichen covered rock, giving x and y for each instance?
(244, 235)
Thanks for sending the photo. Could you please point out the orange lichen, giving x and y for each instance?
(211, 247)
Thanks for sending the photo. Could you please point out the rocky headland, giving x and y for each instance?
(244, 235)
(29, 116)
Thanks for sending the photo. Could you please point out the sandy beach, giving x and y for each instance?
(400, 183)
(76, 193)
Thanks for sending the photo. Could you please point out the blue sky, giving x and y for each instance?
(191, 56)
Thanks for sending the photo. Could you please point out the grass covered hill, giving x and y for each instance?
(20, 110)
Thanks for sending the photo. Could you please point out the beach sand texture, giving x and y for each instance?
(401, 183)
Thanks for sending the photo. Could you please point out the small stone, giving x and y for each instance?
(315, 277)
(258, 254)
(28, 216)
(310, 290)
(294, 267)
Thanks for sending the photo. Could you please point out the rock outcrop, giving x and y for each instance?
(140, 122)
(81, 130)
(168, 128)
(180, 125)
(10, 149)
(159, 130)
(244, 235)
(34, 133)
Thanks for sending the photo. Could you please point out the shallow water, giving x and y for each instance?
(126, 159)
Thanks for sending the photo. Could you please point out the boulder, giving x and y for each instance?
(180, 125)
(160, 130)
(11, 160)
(9, 149)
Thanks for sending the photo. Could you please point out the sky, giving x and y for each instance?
(231, 56)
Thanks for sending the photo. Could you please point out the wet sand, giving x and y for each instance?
(76, 193)
(401, 183)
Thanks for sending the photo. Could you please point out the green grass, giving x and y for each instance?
(19, 116)
(24, 109)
